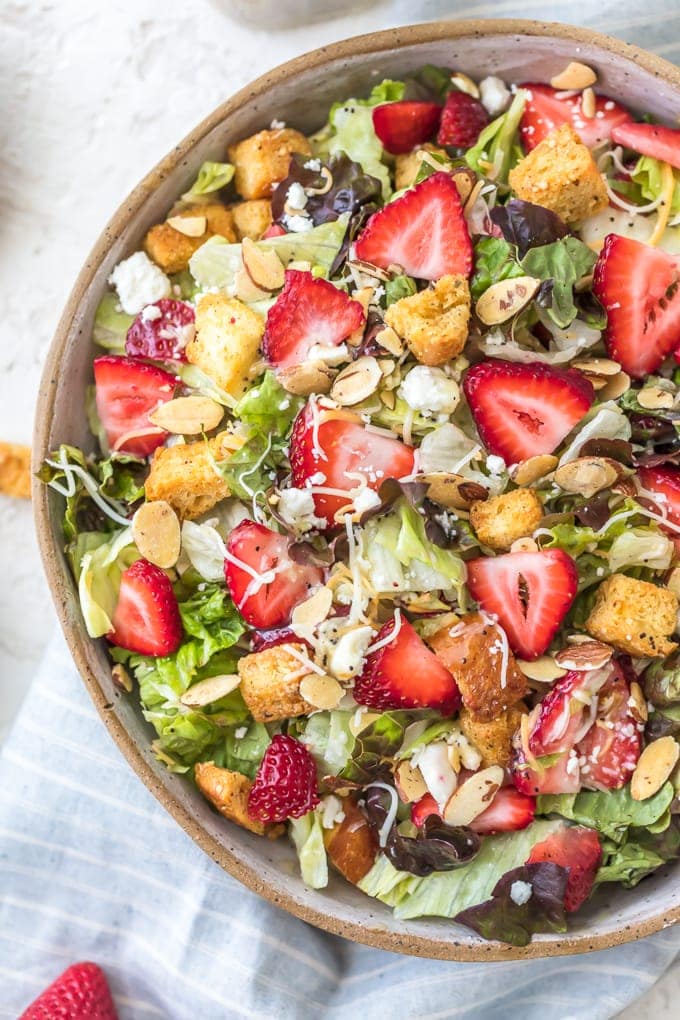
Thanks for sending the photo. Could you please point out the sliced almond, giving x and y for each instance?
(654, 766)
(387, 366)
(209, 690)
(409, 782)
(504, 299)
(245, 289)
(524, 545)
(673, 582)
(313, 610)
(368, 270)
(323, 692)
(473, 796)
(637, 703)
(454, 492)
(654, 398)
(324, 188)
(528, 471)
(584, 656)
(389, 399)
(588, 103)
(157, 534)
(357, 381)
(190, 226)
(121, 678)
(465, 84)
(391, 341)
(575, 76)
(598, 366)
(616, 387)
(587, 475)
(309, 377)
(263, 265)
(544, 669)
(188, 416)
(364, 296)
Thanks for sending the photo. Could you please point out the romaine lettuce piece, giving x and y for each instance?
(99, 580)
(610, 812)
(307, 836)
(497, 150)
(328, 738)
(111, 324)
(211, 178)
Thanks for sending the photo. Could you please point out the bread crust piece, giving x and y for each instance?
(474, 655)
(15, 470)
(262, 160)
(434, 322)
(634, 616)
(252, 218)
(493, 739)
(171, 249)
(228, 792)
(351, 844)
(183, 475)
(227, 341)
(270, 683)
(501, 520)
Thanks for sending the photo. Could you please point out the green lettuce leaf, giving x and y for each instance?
(378, 741)
(397, 288)
(111, 324)
(99, 580)
(647, 175)
(563, 262)
(242, 753)
(497, 149)
(328, 738)
(307, 836)
(211, 178)
(610, 812)
(494, 261)
(641, 547)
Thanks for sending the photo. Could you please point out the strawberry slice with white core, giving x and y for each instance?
(551, 775)
(610, 749)
(402, 672)
(638, 288)
(308, 312)
(424, 232)
(146, 619)
(529, 592)
(577, 849)
(662, 143)
(567, 712)
(126, 393)
(509, 811)
(265, 583)
(331, 450)
(522, 410)
(161, 331)
(664, 484)
(403, 125)
(547, 109)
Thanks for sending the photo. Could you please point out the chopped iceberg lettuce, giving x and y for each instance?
(497, 150)
(211, 178)
(111, 324)
(307, 835)
(99, 580)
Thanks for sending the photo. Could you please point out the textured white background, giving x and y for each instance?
(91, 96)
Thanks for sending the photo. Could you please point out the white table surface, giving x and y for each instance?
(91, 96)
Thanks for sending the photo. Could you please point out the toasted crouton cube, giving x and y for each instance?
(251, 219)
(560, 174)
(474, 655)
(270, 683)
(634, 616)
(407, 165)
(171, 249)
(226, 342)
(228, 792)
(493, 739)
(183, 475)
(15, 470)
(434, 322)
(351, 845)
(262, 160)
(502, 520)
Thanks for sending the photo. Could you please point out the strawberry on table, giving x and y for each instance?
(403, 125)
(286, 783)
(577, 849)
(264, 582)
(309, 311)
(638, 287)
(424, 232)
(664, 482)
(463, 119)
(509, 811)
(522, 410)
(146, 619)
(654, 140)
(126, 392)
(529, 592)
(161, 331)
(404, 673)
(80, 993)
(547, 109)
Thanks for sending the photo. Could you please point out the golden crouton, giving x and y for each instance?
(270, 683)
(493, 739)
(634, 616)
(434, 322)
(407, 165)
(228, 792)
(500, 521)
(560, 174)
(251, 219)
(262, 160)
(171, 249)
(474, 655)
(351, 845)
(15, 470)
(226, 342)
(183, 475)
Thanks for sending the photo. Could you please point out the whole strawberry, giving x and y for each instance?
(463, 118)
(285, 784)
(80, 993)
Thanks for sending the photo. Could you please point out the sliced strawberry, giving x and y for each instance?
(126, 392)
(146, 619)
(577, 849)
(525, 409)
(566, 713)
(612, 746)
(329, 448)
(264, 582)
(638, 287)
(308, 311)
(273, 230)
(463, 118)
(664, 482)
(547, 109)
(286, 783)
(424, 232)
(530, 593)
(650, 140)
(80, 993)
(161, 331)
(508, 811)
(404, 673)
(553, 774)
(262, 639)
(423, 808)
(403, 125)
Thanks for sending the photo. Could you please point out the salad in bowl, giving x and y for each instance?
(382, 524)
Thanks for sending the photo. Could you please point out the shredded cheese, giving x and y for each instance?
(305, 660)
(389, 638)
(316, 422)
(391, 814)
(356, 612)
(111, 508)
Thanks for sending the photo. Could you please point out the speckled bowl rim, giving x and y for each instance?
(369, 933)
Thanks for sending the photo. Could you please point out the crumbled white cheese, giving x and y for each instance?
(277, 125)
(150, 313)
(437, 771)
(494, 94)
(240, 732)
(295, 196)
(297, 224)
(139, 283)
(313, 164)
(347, 658)
(330, 355)
(365, 500)
(331, 811)
(296, 507)
(520, 892)
(318, 478)
(495, 465)
(430, 391)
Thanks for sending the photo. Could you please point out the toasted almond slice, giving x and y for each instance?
(121, 678)
(190, 226)
(409, 782)
(454, 492)
(388, 398)
(544, 669)
(654, 766)
(673, 582)
(473, 796)
(209, 690)
(463, 177)
(263, 265)
(638, 703)
(188, 416)
(655, 398)
(390, 340)
(524, 545)
(364, 297)
(327, 183)
(575, 76)
(321, 691)
(357, 381)
(578, 639)
(616, 387)
(597, 366)
(587, 475)
(156, 533)
(588, 103)
(585, 655)
(313, 610)
(528, 471)
(504, 299)
(245, 289)
(465, 84)
(598, 382)
(309, 377)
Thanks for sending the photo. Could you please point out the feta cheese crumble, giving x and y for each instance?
(520, 892)
(430, 391)
(347, 658)
(366, 500)
(494, 94)
(296, 507)
(139, 283)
